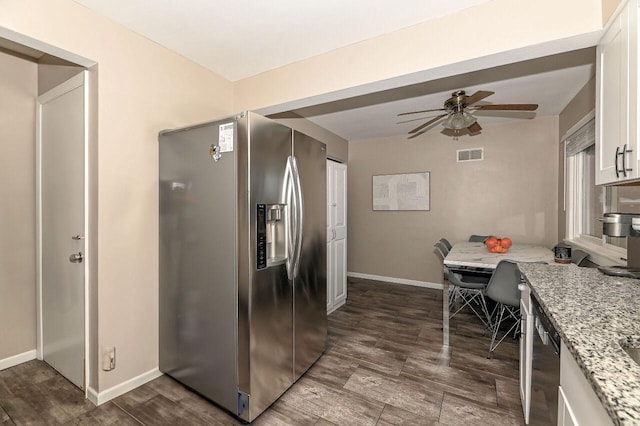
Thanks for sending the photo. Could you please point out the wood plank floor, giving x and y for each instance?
(384, 365)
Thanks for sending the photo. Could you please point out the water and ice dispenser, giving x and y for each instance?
(271, 235)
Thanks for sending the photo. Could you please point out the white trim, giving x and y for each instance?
(598, 253)
(45, 47)
(17, 359)
(394, 280)
(99, 398)
(92, 395)
(79, 80)
(87, 237)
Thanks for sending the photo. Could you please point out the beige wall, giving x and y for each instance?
(337, 147)
(504, 31)
(582, 104)
(143, 88)
(513, 192)
(608, 7)
(18, 90)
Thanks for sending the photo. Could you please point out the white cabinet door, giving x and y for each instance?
(579, 404)
(526, 350)
(336, 235)
(565, 414)
(616, 100)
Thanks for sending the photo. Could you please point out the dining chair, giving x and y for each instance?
(478, 238)
(470, 291)
(446, 243)
(503, 289)
(442, 250)
(579, 257)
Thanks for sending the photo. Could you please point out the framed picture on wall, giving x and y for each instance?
(407, 191)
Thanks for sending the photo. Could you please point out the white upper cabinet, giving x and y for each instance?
(617, 98)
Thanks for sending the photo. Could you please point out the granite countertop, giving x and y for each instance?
(593, 313)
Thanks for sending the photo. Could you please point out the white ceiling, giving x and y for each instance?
(241, 38)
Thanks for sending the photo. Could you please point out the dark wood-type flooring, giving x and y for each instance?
(384, 365)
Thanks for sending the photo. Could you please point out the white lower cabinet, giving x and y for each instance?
(565, 414)
(526, 349)
(577, 401)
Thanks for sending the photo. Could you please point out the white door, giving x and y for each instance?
(61, 231)
(336, 234)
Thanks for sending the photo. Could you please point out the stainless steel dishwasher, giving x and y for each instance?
(545, 376)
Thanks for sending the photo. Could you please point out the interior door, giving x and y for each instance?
(61, 150)
(337, 233)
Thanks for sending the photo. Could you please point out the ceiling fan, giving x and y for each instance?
(457, 117)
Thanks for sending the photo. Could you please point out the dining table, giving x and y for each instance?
(475, 258)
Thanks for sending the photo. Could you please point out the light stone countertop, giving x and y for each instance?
(592, 313)
(476, 255)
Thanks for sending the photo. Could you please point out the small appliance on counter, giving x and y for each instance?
(562, 253)
(624, 225)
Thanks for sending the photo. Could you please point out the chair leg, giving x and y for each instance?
(469, 296)
(512, 312)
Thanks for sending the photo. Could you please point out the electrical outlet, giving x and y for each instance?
(109, 358)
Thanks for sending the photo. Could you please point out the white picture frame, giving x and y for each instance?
(402, 192)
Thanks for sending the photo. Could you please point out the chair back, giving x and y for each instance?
(579, 257)
(478, 238)
(441, 249)
(446, 243)
(503, 285)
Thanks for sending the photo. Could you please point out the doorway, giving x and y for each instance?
(61, 217)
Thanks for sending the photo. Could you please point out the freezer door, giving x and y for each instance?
(310, 284)
(198, 262)
(269, 370)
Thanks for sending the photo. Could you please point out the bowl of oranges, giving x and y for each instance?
(498, 245)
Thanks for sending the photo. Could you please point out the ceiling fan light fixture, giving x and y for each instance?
(459, 120)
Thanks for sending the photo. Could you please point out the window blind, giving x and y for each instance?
(582, 138)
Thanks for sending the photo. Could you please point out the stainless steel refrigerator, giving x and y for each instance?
(242, 259)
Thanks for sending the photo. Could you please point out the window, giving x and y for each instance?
(586, 202)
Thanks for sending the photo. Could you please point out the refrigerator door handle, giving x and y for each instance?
(299, 222)
(288, 194)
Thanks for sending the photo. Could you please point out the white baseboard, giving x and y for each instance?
(17, 359)
(99, 398)
(394, 280)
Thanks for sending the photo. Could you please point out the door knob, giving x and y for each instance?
(77, 237)
(76, 258)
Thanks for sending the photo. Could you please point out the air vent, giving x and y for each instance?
(475, 154)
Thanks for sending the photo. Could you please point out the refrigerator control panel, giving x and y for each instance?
(261, 239)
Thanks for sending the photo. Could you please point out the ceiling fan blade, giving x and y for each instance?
(506, 107)
(418, 112)
(478, 96)
(422, 126)
(415, 135)
(412, 120)
(474, 128)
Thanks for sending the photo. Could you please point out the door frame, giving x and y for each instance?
(79, 80)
